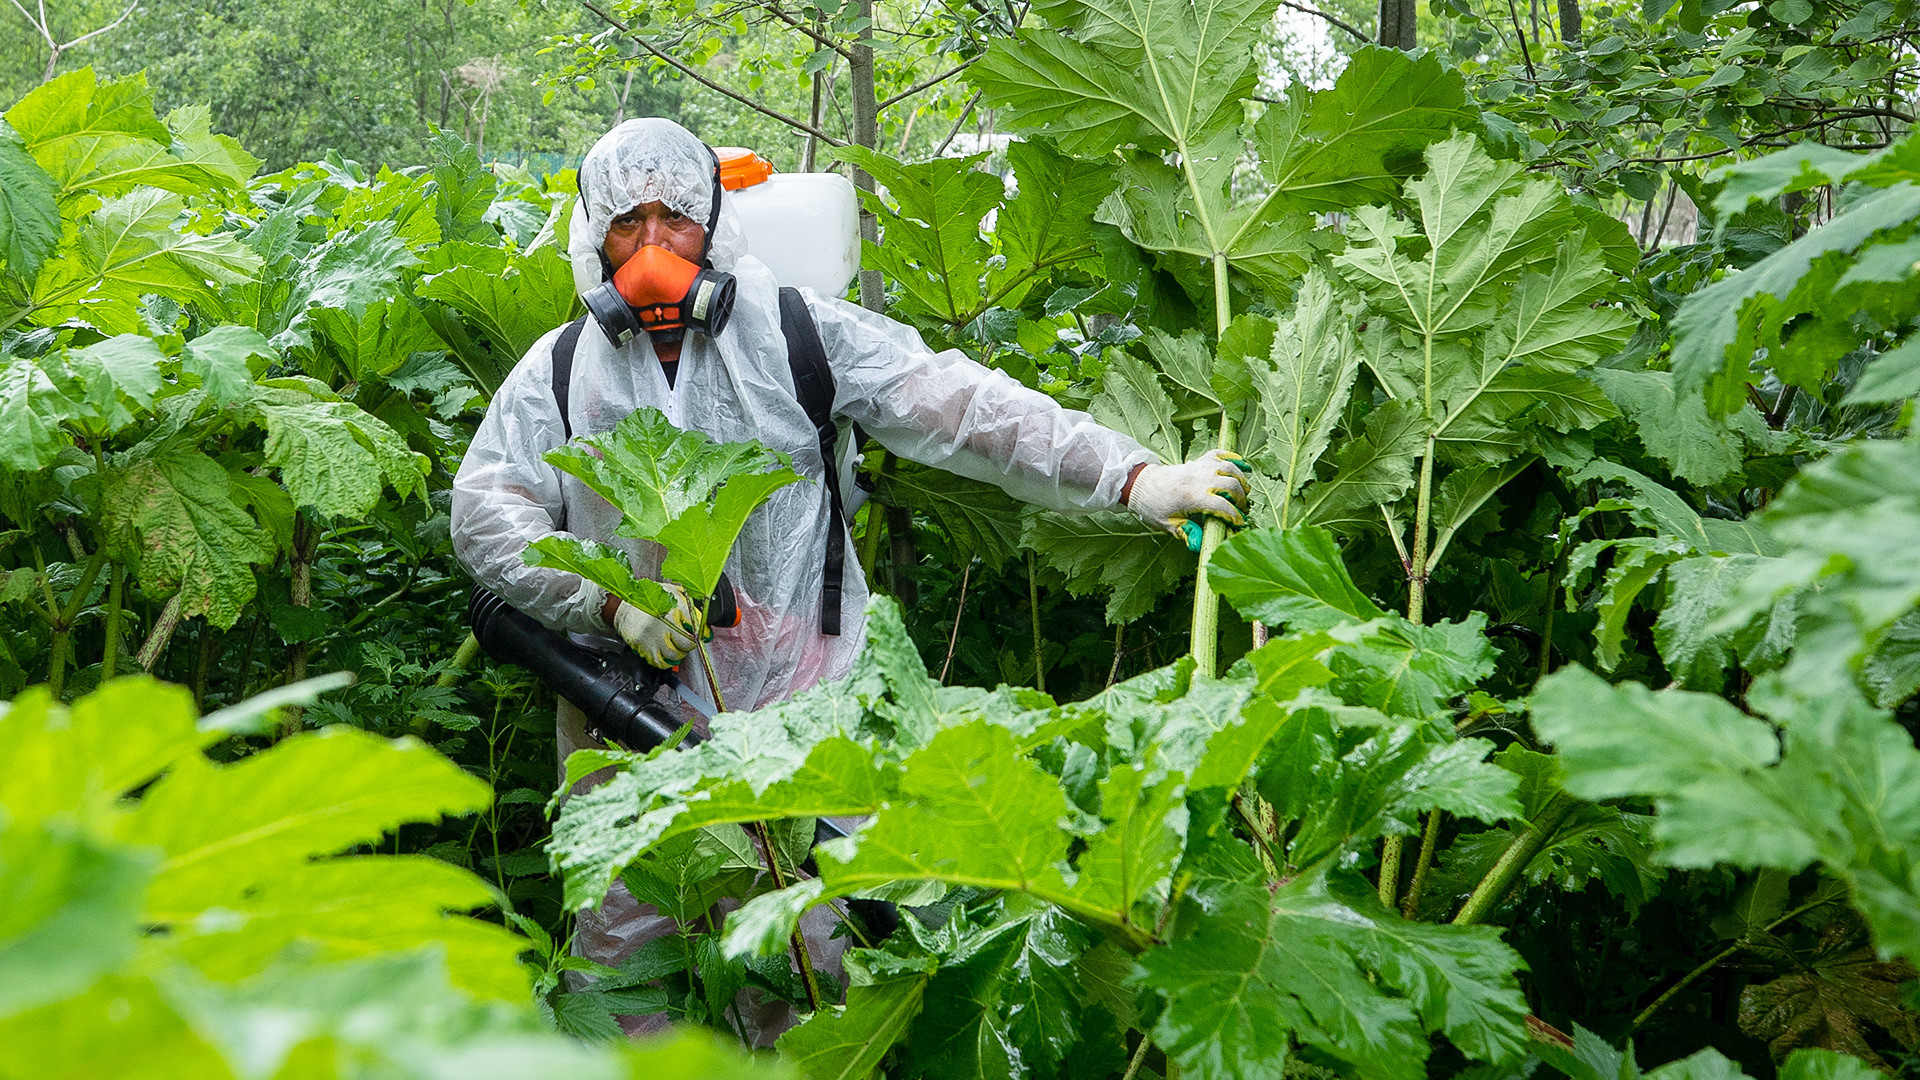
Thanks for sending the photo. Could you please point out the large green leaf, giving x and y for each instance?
(73, 121)
(847, 1043)
(514, 308)
(190, 160)
(221, 359)
(1839, 792)
(350, 272)
(1304, 391)
(226, 829)
(653, 471)
(1297, 578)
(76, 762)
(251, 960)
(333, 456)
(29, 217)
(812, 755)
(379, 340)
(1169, 78)
(663, 481)
(1323, 962)
(981, 520)
(933, 248)
(1290, 577)
(68, 908)
(131, 246)
(1677, 429)
(1799, 304)
(32, 409)
(1355, 142)
(1840, 528)
(1115, 553)
(352, 907)
(1373, 468)
(700, 538)
(171, 514)
(971, 811)
(115, 379)
(1507, 287)
(605, 566)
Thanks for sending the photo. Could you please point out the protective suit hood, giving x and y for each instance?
(644, 160)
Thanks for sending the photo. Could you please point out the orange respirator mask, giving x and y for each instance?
(663, 294)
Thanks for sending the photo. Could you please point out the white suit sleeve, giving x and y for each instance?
(946, 410)
(507, 496)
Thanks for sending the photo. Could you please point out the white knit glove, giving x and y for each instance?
(660, 642)
(1168, 495)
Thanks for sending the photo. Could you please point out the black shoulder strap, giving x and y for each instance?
(563, 349)
(813, 386)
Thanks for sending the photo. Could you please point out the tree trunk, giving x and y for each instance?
(1397, 22)
(1570, 21)
(873, 291)
(866, 132)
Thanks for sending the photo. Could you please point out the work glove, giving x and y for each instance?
(662, 642)
(1168, 496)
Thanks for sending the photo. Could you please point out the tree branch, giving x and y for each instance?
(923, 84)
(675, 63)
(955, 129)
(1330, 18)
(96, 33)
(823, 40)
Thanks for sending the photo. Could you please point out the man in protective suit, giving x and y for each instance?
(650, 184)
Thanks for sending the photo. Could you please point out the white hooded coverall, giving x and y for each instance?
(941, 409)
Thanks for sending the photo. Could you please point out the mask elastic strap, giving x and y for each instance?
(713, 217)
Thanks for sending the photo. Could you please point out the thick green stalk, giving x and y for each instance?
(116, 603)
(1390, 871)
(162, 632)
(1206, 602)
(306, 542)
(1520, 851)
(63, 628)
(1033, 607)
(1421, 865)
(1422, 516)
(462, 659)
(1139, 1055)
(1416, 612)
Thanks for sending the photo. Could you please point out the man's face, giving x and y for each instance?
(653, 223)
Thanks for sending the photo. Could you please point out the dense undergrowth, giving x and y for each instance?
(1561, 700)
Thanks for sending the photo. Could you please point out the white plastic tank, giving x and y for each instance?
(804, 226)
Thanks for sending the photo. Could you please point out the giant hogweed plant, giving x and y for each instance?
(169, 915)
(1061, 847)
(678, 489)
(1470, 309)
(207, 373)
(1165, 89)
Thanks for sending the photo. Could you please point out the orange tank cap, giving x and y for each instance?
(741, 167)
